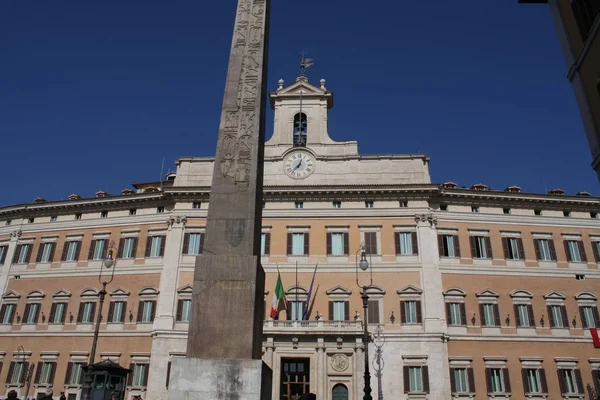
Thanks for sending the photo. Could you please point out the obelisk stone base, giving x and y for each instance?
(203, 379)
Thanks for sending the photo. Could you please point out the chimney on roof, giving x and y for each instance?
(74, 197)
(479, 186)
(449, 185)
(171, 176)
(513, 189)
(127, 192)
(101, 193)
(39, 200)
(556, 191)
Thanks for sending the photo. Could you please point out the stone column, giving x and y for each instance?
(321, 369)
(434, 319)
(270, 347)
(169, 276)
(5, 269)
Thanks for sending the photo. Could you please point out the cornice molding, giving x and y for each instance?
(512, 219)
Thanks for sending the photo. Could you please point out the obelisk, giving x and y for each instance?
(224, 345)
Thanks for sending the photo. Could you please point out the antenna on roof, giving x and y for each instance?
(162, 167)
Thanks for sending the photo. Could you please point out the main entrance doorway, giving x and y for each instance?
(295, 378)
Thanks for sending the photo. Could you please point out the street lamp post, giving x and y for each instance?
(108, 262)
(363, 264)
(28, 372)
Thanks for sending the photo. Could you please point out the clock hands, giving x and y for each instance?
(297, 166)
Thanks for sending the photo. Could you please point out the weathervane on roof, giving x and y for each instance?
(304, 64)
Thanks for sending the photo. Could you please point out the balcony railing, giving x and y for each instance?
(333, 326)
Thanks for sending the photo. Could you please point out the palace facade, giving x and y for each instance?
(476, 293)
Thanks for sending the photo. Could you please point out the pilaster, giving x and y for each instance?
(321, 369)
(5, 269)
(431, 278)
(169, 276)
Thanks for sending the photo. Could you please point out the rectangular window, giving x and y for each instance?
(3, 251)
(76, 377)
(575, 251)
(403, 204)
(513, 248)
(371, 242)
(524, 313)
(410, 312)
(86, 312)
(406, 243)
(369, 204)
(184, 310)
(589, 317)
(545, 250)
(558, 316)
(339, 310)
(97, 249)
(116, 312)
(57, 313)
(160, 210)
(53, 218)
(297, 244)
(456, 315)
(127, 248)
(196, 205)
(337, 243)
(461, 384)
(7, 312)
(533, 381)
(46, 373)
(140, 374)
(265, 243)
(448, 246)
(296, 310)
(23, 252)
(146, 311)
(132, 211)
(71, 251)
(489, 315)
(16, 374)
(78, 216)
(475, 209)
(155, 246)
(481, 247)
(194, 243)
(46, 252)
(570, 381)
(373, 312)
(415, 379)
(299, 204)
(337, 204)
(30, 315)
(496, 378)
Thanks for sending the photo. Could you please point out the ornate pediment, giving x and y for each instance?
(521, 293)
(36, 294)
(119, 292)
(585, 296)
(62, 293)
(11, 294)
(185, 289)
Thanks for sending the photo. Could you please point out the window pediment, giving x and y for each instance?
(119, 292)
(62, 293)
(408, 290)
(375, 290)
(455, 292)
(35, 294)
(554, 295)
(487, 293)
(585, 296)
(11, 295)
(89, 292)
(520, 293)
(148, 291)
(339, 290)
(185, 289)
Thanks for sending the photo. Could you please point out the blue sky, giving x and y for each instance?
(93, 95)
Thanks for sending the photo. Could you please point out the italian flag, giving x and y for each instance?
(277, 295)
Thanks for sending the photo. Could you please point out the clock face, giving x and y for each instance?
(299, 164)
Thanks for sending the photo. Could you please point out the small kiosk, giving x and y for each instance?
(109, 380)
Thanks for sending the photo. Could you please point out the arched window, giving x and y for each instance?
(340, 392)
(300, 128)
